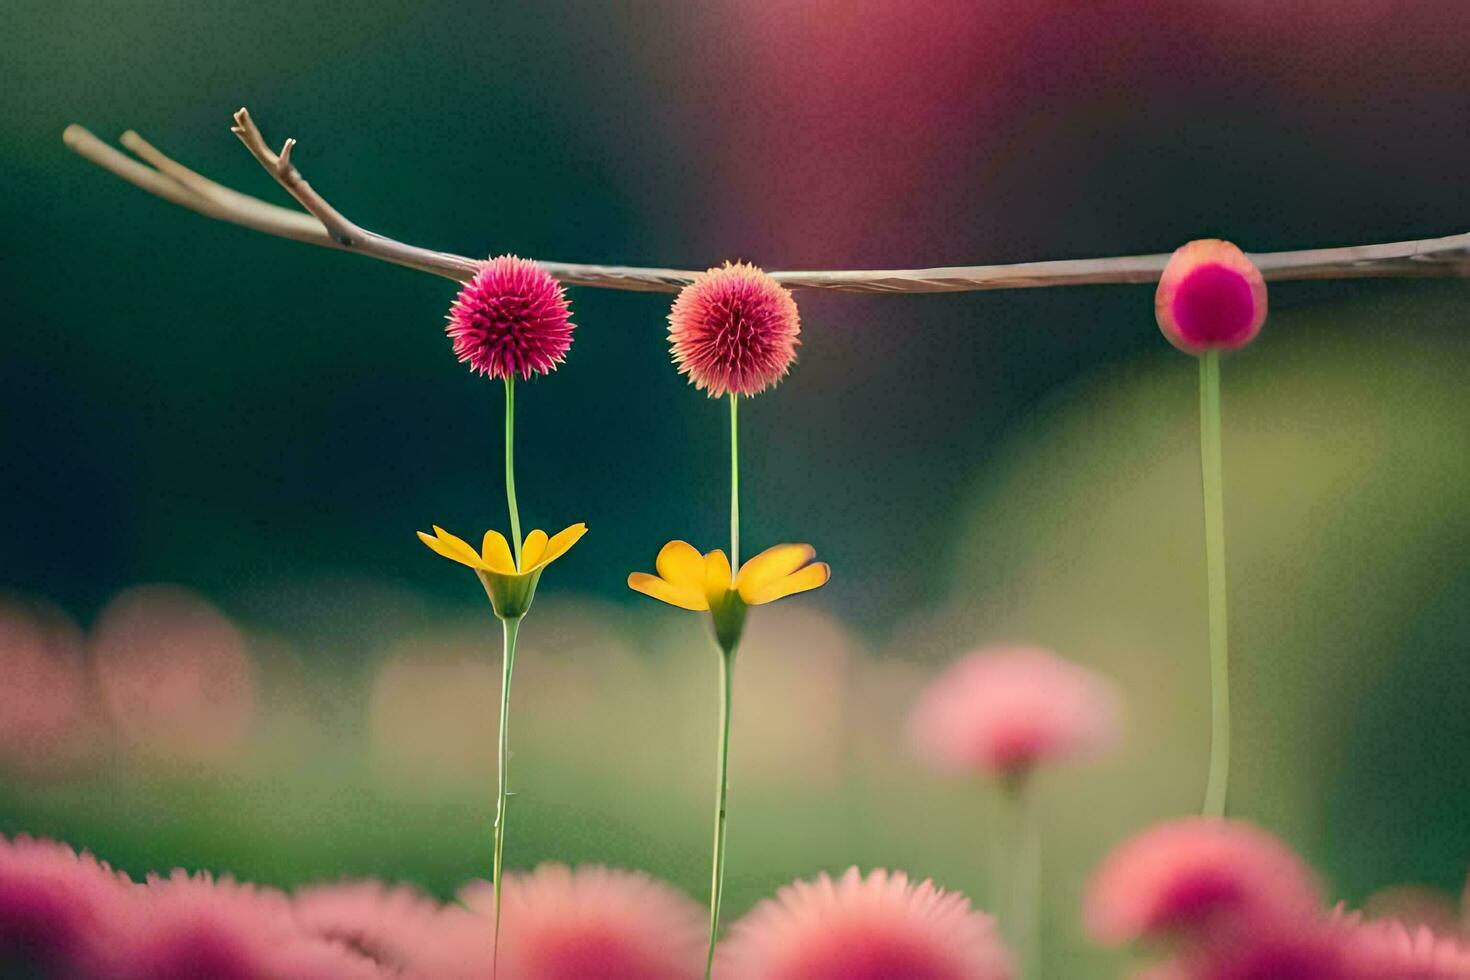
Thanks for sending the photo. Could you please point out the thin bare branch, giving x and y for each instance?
(324, 225)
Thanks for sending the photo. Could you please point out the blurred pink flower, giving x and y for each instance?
(1307, 952)
(185, 928)
(559, 923)
(511, 320)
(175, 675)
(385, 923)
(54, 904)
(1385, 948)
(858, 928)
(1414, 906)
(1002, 710)
(48, 715)
(1202, 878)
(734, 329)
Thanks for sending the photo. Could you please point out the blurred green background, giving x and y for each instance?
(214, 441)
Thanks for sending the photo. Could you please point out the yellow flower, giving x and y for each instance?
(702, 583)
(510, 587)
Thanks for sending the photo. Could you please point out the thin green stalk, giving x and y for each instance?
(512, 627)
(1026, 878)
(998, 855)
(510, 467)
(722, 792)
(727, 663)
(734, 484)
(1211, 469)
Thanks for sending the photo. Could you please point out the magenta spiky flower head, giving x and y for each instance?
(734, 329)
(512, 319)
(1211, 297)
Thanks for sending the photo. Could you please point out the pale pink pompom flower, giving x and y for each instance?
(863, 928)
(734, 330)
(1003, 710)
(1201, 878)
(54, 906)
(560, 923)
(184, 927)
(385, 923)
(511, 320)
(1387, 948)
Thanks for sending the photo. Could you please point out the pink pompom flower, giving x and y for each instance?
(54, 906)
(863, 928)
(1200, 878)
(183, 927)
(1211, 297)
(511, 320)
(1002, 710)
(386, 923)
(1387, 948)
(560, 923)
(734, 330)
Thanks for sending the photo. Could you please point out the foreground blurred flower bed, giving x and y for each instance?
(181, 731)
(1224, 899)
(298, 730)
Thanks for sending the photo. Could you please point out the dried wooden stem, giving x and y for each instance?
(322, 224)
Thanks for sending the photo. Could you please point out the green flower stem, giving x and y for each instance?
(727, 663)
(734, 484)
(1211, 469)
(722, 792)
(1025, 877)
(512, 627)
(510, 467)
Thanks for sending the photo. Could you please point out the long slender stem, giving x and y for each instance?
(722, 792)
(727, 663)
(510, 467)
(1026, 878)
(1211, 469)
(734, 483)
(512, 627)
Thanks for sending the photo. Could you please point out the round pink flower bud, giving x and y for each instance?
(512, 319)
(1211, 297)
(734, 329)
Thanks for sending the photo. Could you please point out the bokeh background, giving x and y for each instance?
(221, 645)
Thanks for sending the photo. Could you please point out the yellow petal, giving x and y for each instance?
(681, 563)
(497, 554)
(560, 543)
(445, 544)
(532, 549)
(652, 585)
(716, 575)
(772, 564)
(813, 576)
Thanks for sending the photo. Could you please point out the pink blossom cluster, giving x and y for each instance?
(1224, 900)
(64, 915)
